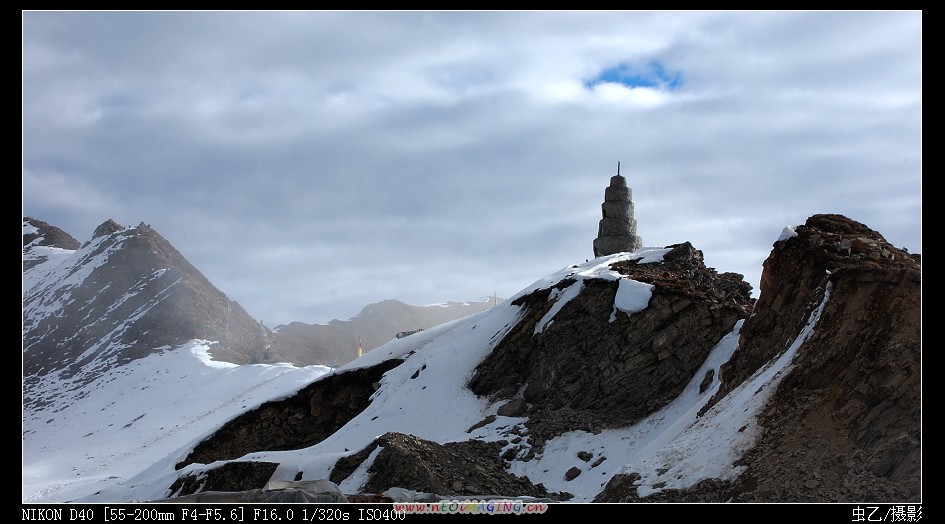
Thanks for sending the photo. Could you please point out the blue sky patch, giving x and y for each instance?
(652, 75)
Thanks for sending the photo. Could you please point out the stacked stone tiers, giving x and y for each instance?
(617, 232)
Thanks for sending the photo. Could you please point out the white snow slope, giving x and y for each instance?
(120, 441)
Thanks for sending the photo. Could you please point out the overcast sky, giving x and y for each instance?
(310, 163)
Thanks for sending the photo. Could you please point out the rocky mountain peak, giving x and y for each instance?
(122, 295)
(606, 367)
(828, 248)
(683, 269)
(845, 422)
(39, 233)
(106, 228)
(41, 240)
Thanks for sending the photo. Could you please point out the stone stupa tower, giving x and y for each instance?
(617, 231)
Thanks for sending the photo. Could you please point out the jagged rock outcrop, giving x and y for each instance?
(40, 238)
(39, 233)
(845, 424)
(595, 367)
(301, 420)
(229, 477)
(107, 228)
(457, 468)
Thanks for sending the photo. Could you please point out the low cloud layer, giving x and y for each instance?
(309, 163)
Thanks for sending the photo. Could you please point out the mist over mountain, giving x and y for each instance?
(128, 291)
(340, 341)
(124, 294)
(635, 376)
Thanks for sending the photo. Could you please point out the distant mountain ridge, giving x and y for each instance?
(337, 342)
(127, 291)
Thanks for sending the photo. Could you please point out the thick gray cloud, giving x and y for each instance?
(309, 163)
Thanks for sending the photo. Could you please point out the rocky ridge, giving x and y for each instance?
(39, 237)
(844, 425)
(593, 367)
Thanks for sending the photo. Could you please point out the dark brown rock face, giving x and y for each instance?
(827, 248)
(107, 228)
(597, 367)
(301, 420)
(49, 235)
(844, 424)
(37, 233)
(457, 468)
(232, 476)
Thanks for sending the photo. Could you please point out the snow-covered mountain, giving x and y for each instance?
(635, 376)
(121, 296)
(128, 291)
